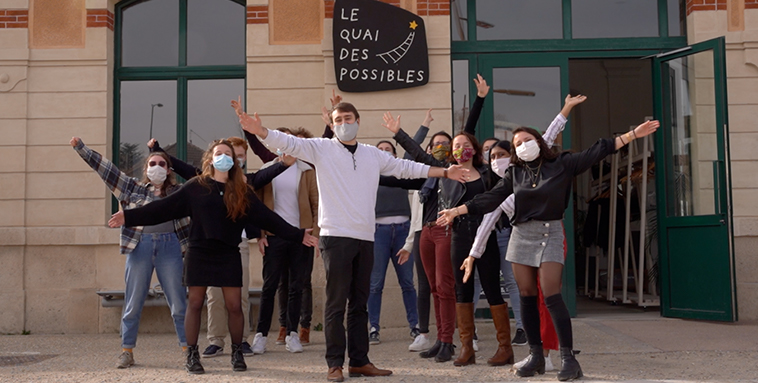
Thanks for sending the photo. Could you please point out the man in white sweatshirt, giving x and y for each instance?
(347, 176)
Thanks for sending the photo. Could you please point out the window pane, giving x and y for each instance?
(150, 34)
(525, 97)
(694, 141)
(140, 121)
(215, 32)
(458, 20)
(519, 19)
(461, 99)
(209, 116)
(618, 18)
(677, 16)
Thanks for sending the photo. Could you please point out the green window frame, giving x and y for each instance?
(181, 73)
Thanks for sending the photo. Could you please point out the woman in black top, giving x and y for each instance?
(220, 204)
(541, 181)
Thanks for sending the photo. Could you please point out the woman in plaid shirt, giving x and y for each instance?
(147, 248)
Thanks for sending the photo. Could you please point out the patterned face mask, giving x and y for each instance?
(463, 154)
(441, 152)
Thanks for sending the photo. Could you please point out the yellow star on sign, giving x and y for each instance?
(414, 25)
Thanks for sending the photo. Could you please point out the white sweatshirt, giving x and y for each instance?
(347, 182)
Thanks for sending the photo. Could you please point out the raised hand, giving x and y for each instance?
(336, 98)
(74, 141)
(428, 120)
(390, 123)
(402, 256)
(458, 173)
(152, 143)
(468, 267)
(262, 245)
(117, 220)
(308, 239)
(251, 124)
(326, 117)
(574, 100)
(646, 128)
(481, 86)
(237, 105)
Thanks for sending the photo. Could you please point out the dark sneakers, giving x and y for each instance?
(373, 337)
(246, 349)
(238, 360)
(520, 338)
(193, 365)
(212, 351)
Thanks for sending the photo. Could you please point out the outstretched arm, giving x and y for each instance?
(174, 206)
(412, 148)
(120, 184)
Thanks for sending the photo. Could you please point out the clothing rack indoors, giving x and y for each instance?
(631, 170)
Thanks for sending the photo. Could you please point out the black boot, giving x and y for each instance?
(445, 354)
(432, 352)
(238, 360)
(570, 368)
(535, 363)
(193, 365)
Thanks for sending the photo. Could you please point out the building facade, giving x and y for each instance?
(116, 73)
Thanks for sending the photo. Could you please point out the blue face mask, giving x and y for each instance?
(223, 162)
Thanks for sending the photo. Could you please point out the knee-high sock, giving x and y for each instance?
(530, 317)
(561, 320)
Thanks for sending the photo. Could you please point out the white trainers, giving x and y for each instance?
(259, 343)
(549, 364)
(476, 345)
(292, 342)
(520, 364)
(421, 343)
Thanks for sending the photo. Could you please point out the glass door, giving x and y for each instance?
(694, 202)
(528, 90)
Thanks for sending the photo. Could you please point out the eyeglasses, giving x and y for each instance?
(159, 163)
(441, 143)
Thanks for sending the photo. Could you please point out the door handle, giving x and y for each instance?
(722, 221)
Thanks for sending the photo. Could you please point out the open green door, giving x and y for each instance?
(694, 193)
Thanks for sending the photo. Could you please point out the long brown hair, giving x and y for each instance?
(170, 179)
(236, 199)
(478, 159)
(545, 152)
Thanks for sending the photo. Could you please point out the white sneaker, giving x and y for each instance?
(549, 364)
(476, 345)
(259, 344)
(521, 363)
(292, 342)
(421, 343)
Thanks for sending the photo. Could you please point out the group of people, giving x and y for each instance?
(349, 201)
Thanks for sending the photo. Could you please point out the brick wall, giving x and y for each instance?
(257, 14)
(14, 18)
(715, 5)
(425, 7)
(99, 18)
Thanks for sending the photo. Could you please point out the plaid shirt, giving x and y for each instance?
(131, 193)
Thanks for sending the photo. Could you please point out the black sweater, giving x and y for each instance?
(549, 199)
(210, 222)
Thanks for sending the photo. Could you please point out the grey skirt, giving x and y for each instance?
(534, 242)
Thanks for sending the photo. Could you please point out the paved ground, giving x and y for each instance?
(617, 345)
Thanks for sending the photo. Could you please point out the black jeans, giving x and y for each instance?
(424, 293)
(348, 263)
(488, 266)
(282, 254)
(306, 307)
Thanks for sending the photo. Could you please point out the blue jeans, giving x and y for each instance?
(503, 236)
(388, 240)
(163, 253)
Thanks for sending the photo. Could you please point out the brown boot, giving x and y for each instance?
(504, 353)
(305, 336)
(465, 314)
(282, 335)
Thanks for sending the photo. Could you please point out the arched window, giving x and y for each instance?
(178, 63)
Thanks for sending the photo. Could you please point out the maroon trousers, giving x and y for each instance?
(434, 249)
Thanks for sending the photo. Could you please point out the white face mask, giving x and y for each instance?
(388, 153)
(500, 165)
(528, 151)
(157, 174)
(241, 162)
(346, 132)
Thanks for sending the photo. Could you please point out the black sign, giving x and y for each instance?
(378, 46)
